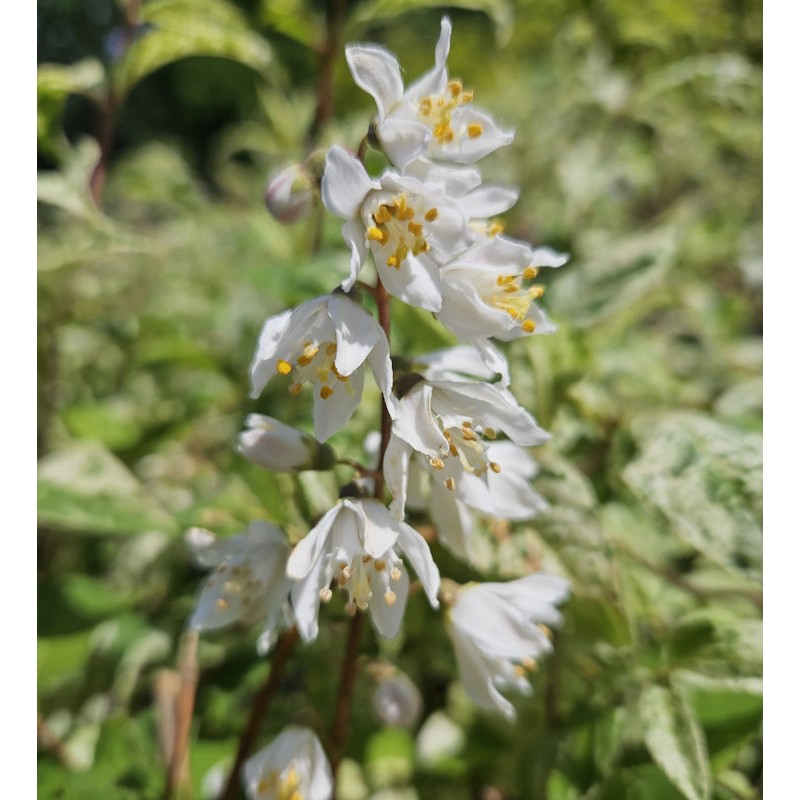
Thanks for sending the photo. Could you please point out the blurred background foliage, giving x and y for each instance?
(638, 150)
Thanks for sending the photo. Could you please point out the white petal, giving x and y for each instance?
(206, 549)
(306, 600)
(380, 528)
(415, 423)
(403, 140)
(456, 180)
(488, 201)
(434, 82)
(353, 234)
(377, 72)
(454, 525)
(380, 363)
(464, 149)
(513, 496)
(395, 472)
(332, 413)
(385, 617)
(513, 457)
(418, 553)
(466, 314)
(356, 333)
(345, 183)
(262, 367)
(309, 550)
(494, 360)
(416, 282)
(547, 257)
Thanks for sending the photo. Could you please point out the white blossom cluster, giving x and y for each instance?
(458, 442)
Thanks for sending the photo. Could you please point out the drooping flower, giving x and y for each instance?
(292, 767)
(357, 543)
(411, 227)
(454, 518)
(291, 194)
(281, 448)
(499, 631)
(434, 116)
(487, 290)
(324, 342)
(451, 425)
(395, 699)
(249, 582)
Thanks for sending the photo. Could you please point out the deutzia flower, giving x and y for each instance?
(324, 342)
(249, 581)
(411, 227)
(434, 116)
(281, 448)
(292, 767)
(486, 290)
(499, 630)
(478, 359)
(451, 425)
(510, 490)
(357, 542)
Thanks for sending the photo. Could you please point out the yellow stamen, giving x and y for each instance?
(529, 326)
(432, 214)
(283, 367)
(380, 565)
(325, 392)
(450, 484)
(530, 273)
(494, 467)
(390, 597)
(474, 130)
(436, 462)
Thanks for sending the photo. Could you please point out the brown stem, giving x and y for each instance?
(344, 696)
(261, 703)
(178, 773)
(324, 111)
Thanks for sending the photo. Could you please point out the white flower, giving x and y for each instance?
(249, 582)
(434, 116)
(485, 290)
(499, 630)
(411, 227)
(291, 194)
(356, 542)
(510, 490)
(324, 342)
(281, 448)
(451, 425)
(292, 767)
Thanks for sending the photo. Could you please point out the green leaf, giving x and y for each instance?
(675, 740)
(184, 28)
(704, 477)
(389, 757)
(85, 489)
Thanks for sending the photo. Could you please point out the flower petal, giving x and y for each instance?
(434, 81)
(454, 525)
(395, 472)
(332, 413)
(356, 333)
(403, 140)
(377, 72)
(387, 617)
(353, 234)
(416, 282)
(488, 201)
(380, 528)
(418, 553)
(308, 551)
(415, 423)
(345, 183)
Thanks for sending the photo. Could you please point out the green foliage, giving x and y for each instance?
(638, 151)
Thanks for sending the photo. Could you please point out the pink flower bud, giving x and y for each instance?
(291, 194)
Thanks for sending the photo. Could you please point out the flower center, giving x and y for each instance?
(467, 453)
(315, 365)
(239, 585)
(399, 226)
(356, 579)
(280, 786)
(436, 111)
(510, 295)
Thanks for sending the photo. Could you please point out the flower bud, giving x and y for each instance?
(396, 700)
(291, 194)
(281, 448)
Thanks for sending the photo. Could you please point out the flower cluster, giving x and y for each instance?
(454, 438)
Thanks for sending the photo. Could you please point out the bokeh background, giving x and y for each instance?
(638, 150)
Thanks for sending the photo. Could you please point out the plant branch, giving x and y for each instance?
(261, 703)
(324, 111)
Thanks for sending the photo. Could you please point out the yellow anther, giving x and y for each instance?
(395, 574)
(529, 326)
(536, 292)
(390, 598)
(474, 130)
(415, 228)
(420, 246)
(330, 349)
(380, 565)
(443, 133)
(453, 450)
(382, 215)
(519, 671)
(530, 664)
(468, 433)
(436, 462)
(503, 280)
(530, 273)
(455, 87)
(450, 484)
(322, 374)
(325, 594)
(495, 228)
(222, 604)
(466, 97)
(325, 392)
(489, 433)
(431, 214)
(308, 355)
(393, 262)
(467, 423)
(545, 630)
(283, 367)
(366, 558)
(377, 235)
(295, 389)
(494, 467)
